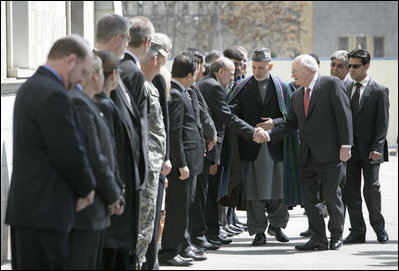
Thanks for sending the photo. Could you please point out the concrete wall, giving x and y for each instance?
(332, 19)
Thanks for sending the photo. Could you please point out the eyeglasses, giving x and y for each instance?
(339, 66)
(355, 66)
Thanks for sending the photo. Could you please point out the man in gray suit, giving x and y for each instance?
(320, 110)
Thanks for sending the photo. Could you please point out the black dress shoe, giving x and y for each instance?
(278, 234)
(218, 239)
(190, 254)
(223, 232)
(235, 228)
(335, 243)
(196, 250)
(176, 261)
(260, 239)
(355, 238)
(228, 229)
(382, 237)
(205, 245)
(312, 245)
(306, 233)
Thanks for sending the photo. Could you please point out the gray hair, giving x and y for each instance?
(221, 63)
(110, 25)
(140, 29)
(164, 40)
(341, 55)
(308, 61)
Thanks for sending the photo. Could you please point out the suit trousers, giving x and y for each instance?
(371, 193)
(323, 180)
(212, 206)
(257, 220)
(177, 204)
(85, 249)
(38, 249)
(197, 222)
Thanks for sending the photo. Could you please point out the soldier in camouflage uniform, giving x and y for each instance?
(150, 66)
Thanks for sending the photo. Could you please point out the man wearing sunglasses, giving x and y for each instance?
(370, 114)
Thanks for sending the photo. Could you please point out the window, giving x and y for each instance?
(375, 45)
(379, 46)
(343, 43)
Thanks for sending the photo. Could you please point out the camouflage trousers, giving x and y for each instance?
(148, 201)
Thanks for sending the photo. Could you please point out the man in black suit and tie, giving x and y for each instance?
(370, 113)
(320, 109)
(51, 170)
(186, 155)
(339, 67)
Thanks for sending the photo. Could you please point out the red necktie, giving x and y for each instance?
(306, 101)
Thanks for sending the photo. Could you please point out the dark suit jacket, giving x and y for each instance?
(122, 233)
(134, 80)
(215, 98)
(50, 166)
(160, 84)
(328, 125)
(102, 161)
(208, 126)
(372, 120)
(249, 106)
(186, 148)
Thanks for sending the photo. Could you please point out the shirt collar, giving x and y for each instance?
(178, 83)
(311, 86)
(365, 81)
(53, 72)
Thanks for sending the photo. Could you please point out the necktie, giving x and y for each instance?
(306, 101)
(355, 105)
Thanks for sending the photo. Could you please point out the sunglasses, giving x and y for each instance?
(355, 66)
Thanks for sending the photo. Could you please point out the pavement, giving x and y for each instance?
(241, 255)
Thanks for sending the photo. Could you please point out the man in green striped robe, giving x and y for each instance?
(270, 172)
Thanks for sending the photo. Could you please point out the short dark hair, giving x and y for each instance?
(69, 45)
(197, 54)
(360, 53)
(183, 64)
(316, 57)
(234, 53)
(109, 60)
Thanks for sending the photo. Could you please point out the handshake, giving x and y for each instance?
(260, 135)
